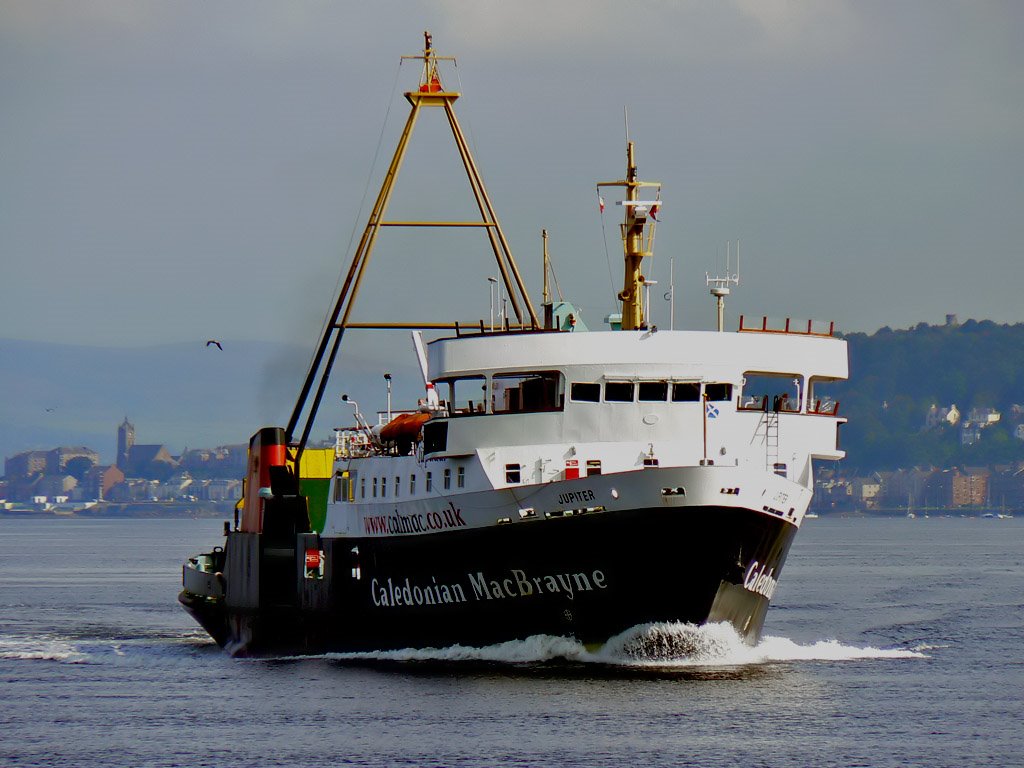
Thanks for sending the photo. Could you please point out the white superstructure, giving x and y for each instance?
(535, 424)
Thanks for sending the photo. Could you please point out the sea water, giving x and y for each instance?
(889, 643)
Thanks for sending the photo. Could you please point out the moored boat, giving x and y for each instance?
(552, 480)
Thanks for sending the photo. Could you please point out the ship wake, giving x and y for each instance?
(120, 648)
(648, 645)
(40, 649)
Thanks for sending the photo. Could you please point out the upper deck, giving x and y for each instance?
(679, 355)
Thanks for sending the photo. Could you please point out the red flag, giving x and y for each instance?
(600, 201)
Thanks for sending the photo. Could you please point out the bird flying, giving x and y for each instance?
(216, 343)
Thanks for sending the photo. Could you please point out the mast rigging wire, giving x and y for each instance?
(359, 214)
(607, 256)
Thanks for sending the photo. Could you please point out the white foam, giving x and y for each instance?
(533, 649)
(649, 645)
(40, 649)
(783, 649)
(98, 650)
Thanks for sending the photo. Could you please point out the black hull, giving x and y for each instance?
(588, 577)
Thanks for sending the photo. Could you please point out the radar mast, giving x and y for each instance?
(639, 219)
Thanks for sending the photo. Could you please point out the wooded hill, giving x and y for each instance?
(896, 376)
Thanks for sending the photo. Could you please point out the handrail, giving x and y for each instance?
(753, 404)
(790, 326)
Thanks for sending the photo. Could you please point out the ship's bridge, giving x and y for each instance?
(765, 394)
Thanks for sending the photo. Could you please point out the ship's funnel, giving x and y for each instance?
(266, 450)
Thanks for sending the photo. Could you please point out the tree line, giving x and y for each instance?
(897, 375)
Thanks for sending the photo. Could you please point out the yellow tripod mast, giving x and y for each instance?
(430, 93)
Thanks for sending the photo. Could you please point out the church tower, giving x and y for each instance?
(125, 441)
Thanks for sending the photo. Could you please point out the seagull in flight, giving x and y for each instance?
(214, 342)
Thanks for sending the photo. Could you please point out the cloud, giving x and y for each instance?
(643, 32)
(654, 29)
(41, 20)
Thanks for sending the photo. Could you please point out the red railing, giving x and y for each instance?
(799, 327)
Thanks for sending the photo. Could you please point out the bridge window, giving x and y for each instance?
(585, 392)
(460, 480)
(652, 391)
(430, 482)
(719, 393)
(686, 392)
(618, 391)
(447, 479)
(778, 392)
(466, 396)
(513, 473)
(527, 392)
(820, 399)
(412, 485)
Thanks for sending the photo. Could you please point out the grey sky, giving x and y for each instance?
(181, 170)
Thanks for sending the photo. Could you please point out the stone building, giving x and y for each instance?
(58, 459)
(25, 464)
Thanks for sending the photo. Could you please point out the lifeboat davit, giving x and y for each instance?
(405, 426)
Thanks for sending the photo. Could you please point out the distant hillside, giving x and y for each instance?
(197, 396)
(895, 376)
(181, 395)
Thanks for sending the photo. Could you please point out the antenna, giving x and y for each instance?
(670, 294)
(720, 285)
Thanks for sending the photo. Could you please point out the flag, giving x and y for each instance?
(600, 201)
(711, 410)
(654, 211)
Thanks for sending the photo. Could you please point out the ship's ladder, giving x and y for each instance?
(771, 440)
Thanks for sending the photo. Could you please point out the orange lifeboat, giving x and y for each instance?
(405, 426)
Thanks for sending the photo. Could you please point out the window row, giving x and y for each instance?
(648, 392)
(347, 483)
(538, 391)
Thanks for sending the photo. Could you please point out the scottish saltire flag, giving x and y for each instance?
(712, 410)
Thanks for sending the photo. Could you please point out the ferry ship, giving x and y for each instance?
(552, 480)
